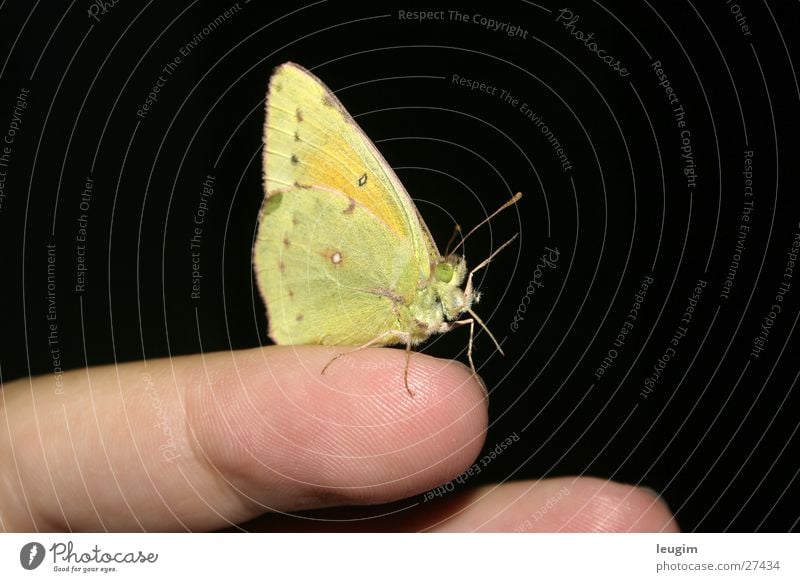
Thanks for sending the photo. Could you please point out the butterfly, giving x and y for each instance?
(342, 256)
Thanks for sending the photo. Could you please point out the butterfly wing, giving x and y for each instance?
(316, 262)
(311, 140)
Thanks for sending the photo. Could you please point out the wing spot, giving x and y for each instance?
(272, 203)
(278, 87)
(351, 206)
(334, 257)
(298, 114)
(295, 221)
(362, 180)
(296, 136)
(298, 318)
(290, 293)
(295, 159)
(282, 266)
(286, 242)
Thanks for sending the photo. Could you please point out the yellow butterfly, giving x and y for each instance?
(342, 256)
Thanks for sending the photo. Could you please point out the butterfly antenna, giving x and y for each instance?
(456, 230)
(511, 202)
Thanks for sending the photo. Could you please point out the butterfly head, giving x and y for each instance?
(448, 276)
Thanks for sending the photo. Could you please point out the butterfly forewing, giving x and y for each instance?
(311, 140)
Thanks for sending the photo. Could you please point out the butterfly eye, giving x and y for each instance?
(444, 272)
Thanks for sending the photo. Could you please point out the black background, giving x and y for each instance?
(717, 436)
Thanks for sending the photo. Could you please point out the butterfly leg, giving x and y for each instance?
(405, 373)
(403, 336)
(469, 346)
(469, 357)
(471, 323)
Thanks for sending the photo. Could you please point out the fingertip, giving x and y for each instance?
(655, 511)
(562, 504)
(620, 507)
(352, 435)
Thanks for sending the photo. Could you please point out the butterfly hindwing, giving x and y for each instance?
(315, 261)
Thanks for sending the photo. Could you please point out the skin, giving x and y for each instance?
(208, 441)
